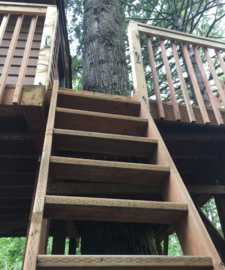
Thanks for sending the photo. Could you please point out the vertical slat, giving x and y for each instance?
(220, 204)
(220, 59)
(155, 79)
(37, 215)
(166, 244)
(23, 68)
(59, 237)
(215, 77)
(3, 26)
(215, 106)
(189, 107)
(44, 237)
(46, 53)
(176, 109)
(9, 57)
(198, 94)
(137, 68)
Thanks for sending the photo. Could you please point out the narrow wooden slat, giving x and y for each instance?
(189, 107)
(215, 106)
(166, 244)
(214, 74)
(10, 54)
(155, 79)
(170, 82)
(37, 216)
(97, 209)
(21, 77)
(40, 11)
(123, 262)
(198, 94)
(222, 64)
(3, 26)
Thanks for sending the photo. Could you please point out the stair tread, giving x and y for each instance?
(118, 210)
(100, 122)
(97, 102)
(107, 171)
(93, 142)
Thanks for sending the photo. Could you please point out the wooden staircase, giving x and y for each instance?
(113, 125)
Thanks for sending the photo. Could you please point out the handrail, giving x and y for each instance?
(134, 29)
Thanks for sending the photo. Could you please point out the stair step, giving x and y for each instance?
(96, 102)
(91, 142)
(134, 262)
(117, 210)
(100, 122)
(107, 171)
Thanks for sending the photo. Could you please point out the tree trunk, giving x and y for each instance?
(105, 71)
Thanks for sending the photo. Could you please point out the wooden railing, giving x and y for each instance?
(45, 65)
(134, 29)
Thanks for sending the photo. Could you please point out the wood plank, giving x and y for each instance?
(155, 79)
(40, 11)
(17, 180)
(124, 261)
(99, 122)
(208, 87)
(96, 103)
(17, 149)
(9, 57)
(23, 37)
(32, 62)
(83, 208)
(219, 57)
(44, 236)
(220, 204)
(176, 110)
(23, 67)
(195, 85)
(20, 44)
(13, 4)
(14, 225)
(107, 171)
(46, 53)
(137, 62)
(193, 236)
(3, 26)
(19, 53)
(183, 84)
(14, 71)
(59, 237)
(103, 143)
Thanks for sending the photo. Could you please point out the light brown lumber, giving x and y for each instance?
(198, 94)
(219, 57)
(99, 122)
(10, 54)
(214, 74)
(107, 171)
(39, 11)
(176, 110)
(116, 210)
(191, 232)
(20, 81)
(3, 26)
(73, 140)
(215, 106)
(183, 85)
(137, 67)
(182, 37)
(155, 79)
(37, 215)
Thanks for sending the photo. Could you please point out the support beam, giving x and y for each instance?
(59, 237)
(220, 204)
(44, 236)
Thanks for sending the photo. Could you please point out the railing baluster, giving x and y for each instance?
(176, 109)
(198, 94)
(208, 87)
(10, 54)
(23, 68)
(155, 79)
(3, 26)
(215, 77)
(183, 84)
(219, 57)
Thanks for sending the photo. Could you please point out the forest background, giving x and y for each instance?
(200, 17)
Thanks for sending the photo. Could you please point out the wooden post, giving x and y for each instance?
(166, 244)
(137, 62)
(3, 26)
(219, 57)
(159, 248)
(220, 204)
(44, 236)
(72, 246)
(23, 68)
(59, 237)
(37, 215)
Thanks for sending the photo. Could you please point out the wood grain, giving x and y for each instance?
(3, 26)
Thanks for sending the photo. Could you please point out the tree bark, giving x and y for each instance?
(105, 71)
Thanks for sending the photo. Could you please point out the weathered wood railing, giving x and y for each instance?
(11, 36)
(134, 29)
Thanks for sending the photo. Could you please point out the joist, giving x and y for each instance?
(96, 209)
(123, 262)
(99, 122)
(107, 171)
(73, 140)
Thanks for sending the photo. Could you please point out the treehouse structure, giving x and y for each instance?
(68, 155)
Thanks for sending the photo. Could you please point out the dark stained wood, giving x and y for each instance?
(19, 165)
(83, 208)
(220, 204)
(106, 171)
(59, 237)
(17, 180)
(99, 122)
(17, 149)
(103, 143)
(14, 225)
(14, 193)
